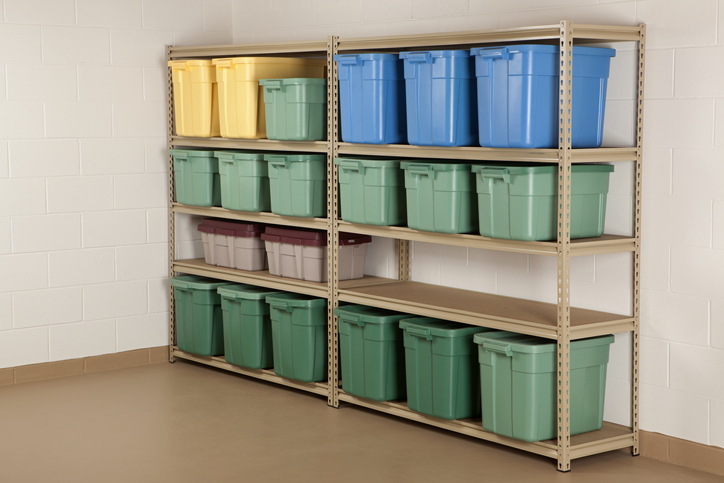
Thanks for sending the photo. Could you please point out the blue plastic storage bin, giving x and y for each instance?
(441, 98)
(372, 98)
(518, 95)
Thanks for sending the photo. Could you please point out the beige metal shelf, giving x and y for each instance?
(264, 374)
(254, 217)
(476, 153)
(609, 437)
(254, 144)
(299, 47)
(483, 309)
(579, 247)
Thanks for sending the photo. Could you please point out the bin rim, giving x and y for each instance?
(192, 153)
(437, 53)
(294, 158)
(369, 161)
(190, 63)
(521, 48)
(197, 283)
(370, 315)
(310, 238)
(528, 344)
(230, 228)
(295, 81)
(364, 57)
(246, 292)
(436, 166)
(534, 168)
(270, 60)
(296, 300)
(242, 155)
(441, 327)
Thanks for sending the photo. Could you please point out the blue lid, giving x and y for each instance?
(437, 53)
(357, 59)
(516, 49)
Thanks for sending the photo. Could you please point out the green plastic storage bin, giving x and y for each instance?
(298, 184)
(441, 368)
(244, 179)
(296, 109)
(372, 191)
(196, 177)
(440, 197)
(299, 335)
(247, 326)
(372, 352)
(199, 320)
(518, 384)
(519, 202)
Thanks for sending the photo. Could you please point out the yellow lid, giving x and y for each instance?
(269, 60)
(182, 64)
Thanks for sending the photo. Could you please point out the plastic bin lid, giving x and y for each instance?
(288, 300)
(368, 315)
(246, 292)
(439, 327)
(230, 228)
(310, 238)
(533, 168)
(359, 58)
(182, 64)
(241, 155)
(434, 166)
(268, 60)
(368, 162)
(509, 342)
(192, 153)
(514, 49)
(437, 53)
(196, 282)
(295, 157)
(293, 81)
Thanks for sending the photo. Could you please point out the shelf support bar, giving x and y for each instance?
(564, 245)
(403, 258)
(171, 198)
(636, 299)
(332, 224)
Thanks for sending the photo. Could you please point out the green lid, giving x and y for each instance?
(367, 162)
(194, 282)
(509, 342)
(287, 300)
(434, 166)
(295, 157)
(192, 153)
(293, 81)
(535, 168)
(370, 315)
(438, 327)
(241, 155)
(246, 292)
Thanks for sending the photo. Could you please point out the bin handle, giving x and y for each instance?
(273, 84)
(352, 166)
(349, 59)
(223, 63)
(421, 169)
(420, 58)
(279, 305)
(500, 347)
(492, 54)
(496, 173)
(354, 319)
(279, 161)
(417, 332)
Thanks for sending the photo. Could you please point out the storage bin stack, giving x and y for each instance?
(195, 98)
(298, 184)
(296, 109)
(244, 180)
(302, 254)
(233, 244)
(196, 177)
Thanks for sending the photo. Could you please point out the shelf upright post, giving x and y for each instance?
(563, 274)
(403, 257)
(637, 234)
(332, 224)
(171, 197)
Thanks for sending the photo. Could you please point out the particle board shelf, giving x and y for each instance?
(483, 309)
(253, 144)
(579, 247)
(255, 217)
(264, 374)
(475, 153)
(609, 437)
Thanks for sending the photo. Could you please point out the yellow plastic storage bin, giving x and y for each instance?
(195, 98)
(241, 98)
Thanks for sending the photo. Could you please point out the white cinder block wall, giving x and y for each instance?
(83, 171)
(83, 195)
(682, 298)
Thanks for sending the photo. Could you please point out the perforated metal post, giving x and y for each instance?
(332, 225)
(564, 247)
(171, 197)
(403, 256)
(637, 235)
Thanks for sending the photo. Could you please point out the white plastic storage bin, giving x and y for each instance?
(302, 254)
(233, 245)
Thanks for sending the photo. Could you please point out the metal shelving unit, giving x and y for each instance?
(559, 321)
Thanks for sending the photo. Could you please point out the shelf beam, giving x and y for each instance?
(264, 374)
(254, 217)
(299, 47)
(253, 144)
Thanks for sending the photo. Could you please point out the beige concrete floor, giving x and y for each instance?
(187, 423)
